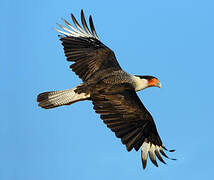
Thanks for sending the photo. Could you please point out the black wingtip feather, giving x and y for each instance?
(157, 153)
(76, 22)
(92, 27)
(171, 150)
(144, 164)
(84, 22)
(163, 153)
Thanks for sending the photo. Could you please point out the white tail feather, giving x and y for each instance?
(54, 99)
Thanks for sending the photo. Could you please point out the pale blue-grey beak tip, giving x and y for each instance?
(159, 85)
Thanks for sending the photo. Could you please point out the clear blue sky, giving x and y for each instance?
(172, 40)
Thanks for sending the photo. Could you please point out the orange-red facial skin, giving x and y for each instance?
(153, 82)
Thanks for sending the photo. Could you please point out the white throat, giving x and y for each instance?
(140, 84)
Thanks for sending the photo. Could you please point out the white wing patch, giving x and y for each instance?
(144, 153)
(78, 31)
(153, 150)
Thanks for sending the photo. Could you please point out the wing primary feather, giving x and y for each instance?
(158, 154)
(92, 27)
(68, 30)
(171, 150)
(62, 32)
(152, 155)
(84, 22)
(163, 153)
(77, 24)
(144, 153)
(69, 25)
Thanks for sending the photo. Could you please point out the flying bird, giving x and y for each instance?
(111, 90)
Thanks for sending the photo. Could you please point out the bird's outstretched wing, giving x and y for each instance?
(124, 114)
(82, 46)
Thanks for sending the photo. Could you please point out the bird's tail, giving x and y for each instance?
(54, 99)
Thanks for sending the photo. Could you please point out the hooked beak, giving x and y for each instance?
(158, 85)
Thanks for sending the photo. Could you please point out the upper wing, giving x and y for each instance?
(83, 47)
(125, 115)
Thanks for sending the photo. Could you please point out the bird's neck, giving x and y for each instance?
(140, 84)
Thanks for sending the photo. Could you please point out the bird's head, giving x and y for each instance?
(146, 81)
